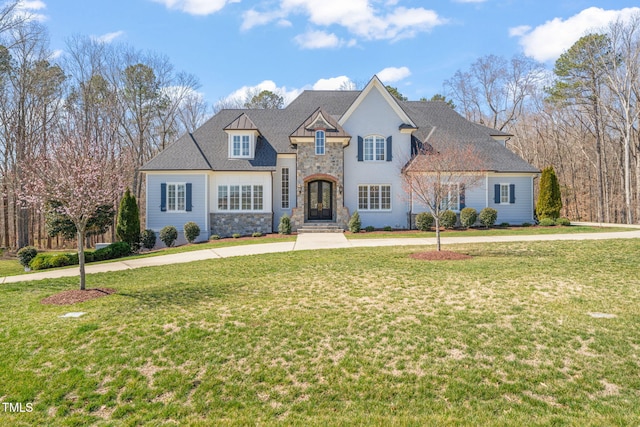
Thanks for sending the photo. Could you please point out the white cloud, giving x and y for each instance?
(334, 83)
(365, 19)
(238, 97)
(108, 37)
(196, 7)
(317, 40)
(469, 1)
(29, 8)
(393, 74)
(548, 41)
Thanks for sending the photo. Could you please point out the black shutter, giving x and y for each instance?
(496, 196)
(360, 149)
(462, 197)
(389, 149)
(512, 193)
(163, 197)
(188, 197)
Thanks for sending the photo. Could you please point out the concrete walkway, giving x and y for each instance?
(311, 241)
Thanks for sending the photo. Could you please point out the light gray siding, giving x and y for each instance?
(156, 219)
(278, 210)
(374, 116)
(520, 211)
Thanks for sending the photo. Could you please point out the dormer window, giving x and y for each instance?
(320, 142)
(241, 146)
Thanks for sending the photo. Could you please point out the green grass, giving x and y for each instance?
(517, 231)
(364, 336)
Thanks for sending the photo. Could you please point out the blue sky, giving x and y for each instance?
(292, 45)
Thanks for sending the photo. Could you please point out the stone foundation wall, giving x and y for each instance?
(245, 224)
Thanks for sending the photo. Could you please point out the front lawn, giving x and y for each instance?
(362, 336)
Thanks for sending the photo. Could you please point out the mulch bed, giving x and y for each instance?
(440, 256)
(76, 295)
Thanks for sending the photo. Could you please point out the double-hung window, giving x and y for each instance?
(240, 197)
(176, 197)
(504, 193)
(374, 148)
(320, 142)
(450, 197)
(374, 197)
(241, 146)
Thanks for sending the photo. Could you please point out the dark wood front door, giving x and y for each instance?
(320, 200)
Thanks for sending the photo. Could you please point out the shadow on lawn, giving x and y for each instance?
(178, 294)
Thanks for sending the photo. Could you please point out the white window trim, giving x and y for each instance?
(364, 149)
(176, 185)
(379, 197)
(251, 137)
(507, 185)
(324, 142)
(251, 195)
(457, 186)
(285, 198)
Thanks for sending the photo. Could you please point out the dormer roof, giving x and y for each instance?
(319, 120)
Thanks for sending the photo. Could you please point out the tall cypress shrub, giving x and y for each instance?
(128, 225)
(549, 199)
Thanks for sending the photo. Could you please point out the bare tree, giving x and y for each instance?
(438, 178)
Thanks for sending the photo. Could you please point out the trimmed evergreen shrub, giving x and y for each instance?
(191, 231)
(563, 222)
(236, 235)
(46, 260)
(128, 225)
(284, 227)
(369, 228)
(26, 254)
(526, 224)
(549, 199)
(488, 217)
(468, 217)
(214, 237)
(148, 239)
(424, 221)
(168, 235)
(505, 224)
(387, 228)
(257, 234)
(547, 222)
(448, 219)
(354, 223)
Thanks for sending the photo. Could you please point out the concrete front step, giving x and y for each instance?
(320, 228)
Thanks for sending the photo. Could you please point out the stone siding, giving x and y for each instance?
(328, 167)
(245, 224)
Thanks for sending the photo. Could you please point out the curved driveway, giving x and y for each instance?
(310, 241)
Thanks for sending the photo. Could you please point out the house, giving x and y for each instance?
(324, 156)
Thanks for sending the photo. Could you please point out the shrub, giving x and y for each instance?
(214, 237)
(547, 222)
(448, 219)
(369, 228)
(113, 251)
(235, 235)
(148, 239)
(563, 222)
(505, 224)
(48, 260)
(488, 217)
(424, 221)
(526, 224)
(468, 217)
(168, 235)
(257, 234)
(285, 225)
(128, 225)
(549, 198)
(26, 254)
(191, 231)
(387, 228)
(354, 223)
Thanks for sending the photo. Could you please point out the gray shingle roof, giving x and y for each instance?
(207, 147)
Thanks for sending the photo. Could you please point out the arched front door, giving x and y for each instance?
(320, 200)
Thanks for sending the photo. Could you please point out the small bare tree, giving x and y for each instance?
(437, 179)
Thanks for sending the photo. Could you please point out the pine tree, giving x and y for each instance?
(549, 199)
(128, 226)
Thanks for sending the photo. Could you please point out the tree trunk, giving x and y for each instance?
(81, 234)
(438, 246)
